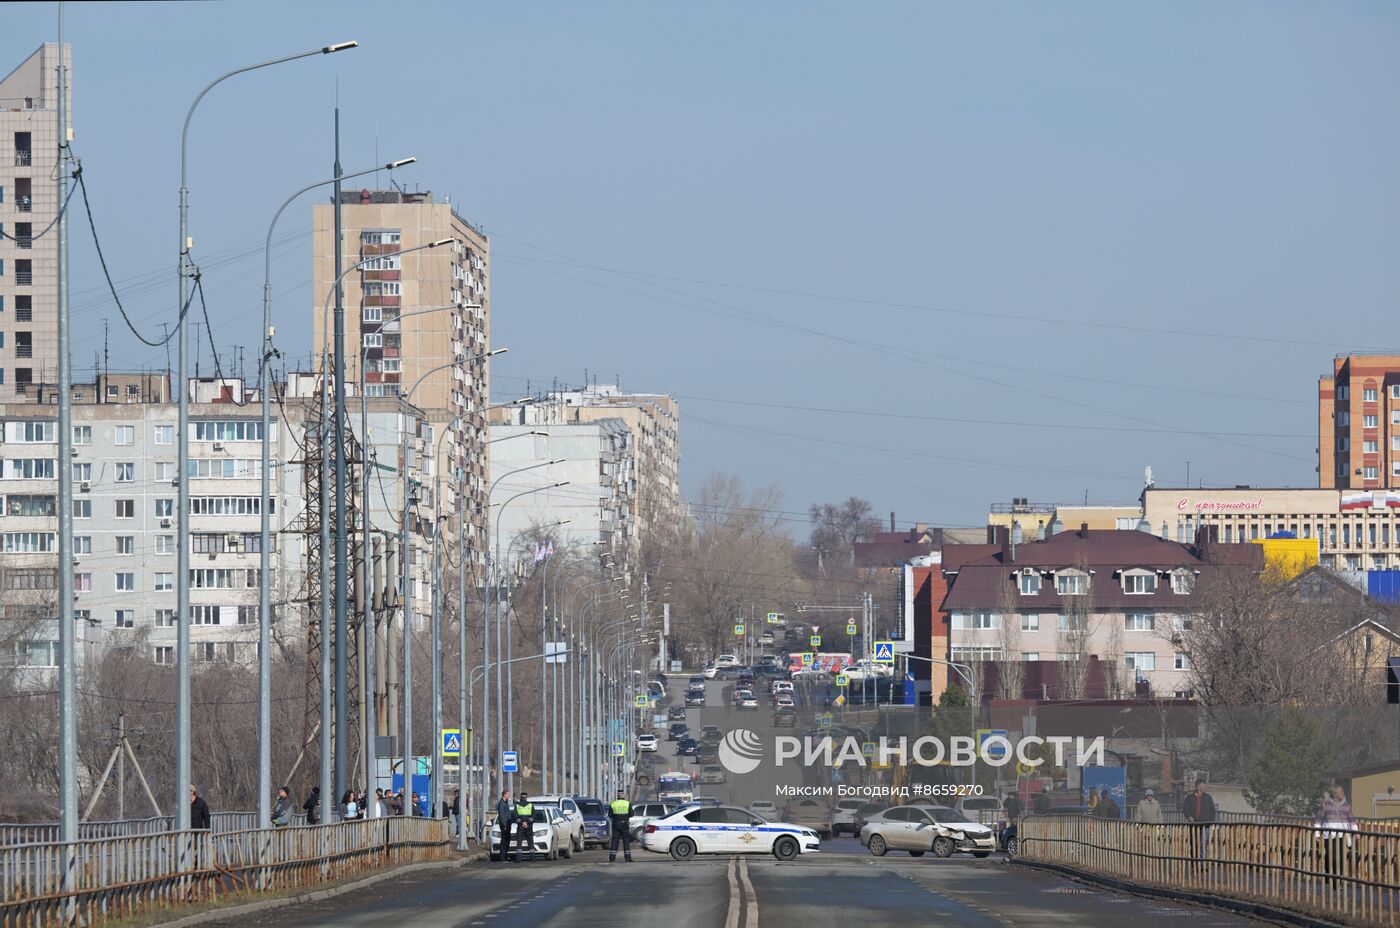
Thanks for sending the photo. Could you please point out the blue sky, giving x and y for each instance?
(932, 254)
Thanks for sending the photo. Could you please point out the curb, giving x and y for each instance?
(261, 905)
(1258, 910)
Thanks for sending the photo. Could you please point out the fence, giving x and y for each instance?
(49, 833)
(1349, 877)
(135, 874)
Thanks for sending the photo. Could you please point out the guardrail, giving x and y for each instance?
(1352, 877)
(48, 832)
(122, 877)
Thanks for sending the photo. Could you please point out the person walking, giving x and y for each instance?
(312, 806)
(505, 821)
(1149, 810)
(1012, 805)
(379, 802)
(1199, 809)
(1107, 807)
(524, 826)
(282, 812)
(1335, 822)
(199, 811)
(620, 811)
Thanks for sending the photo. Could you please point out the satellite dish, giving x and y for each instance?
(1147, 475)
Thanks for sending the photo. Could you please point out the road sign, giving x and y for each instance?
(619, 749)
(641, 702)
(824, 720)
(773, 618)
(992, 751)
(842, 680)
(807, 658)
(1024, 769)
(510, 762)
(739, 630)
(851, 628)
(868, 748)
(884, 652)
(839, 701)
(816, 641)
(452, 742)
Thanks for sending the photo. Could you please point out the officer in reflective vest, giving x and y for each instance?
(620, 810)
(525, 827)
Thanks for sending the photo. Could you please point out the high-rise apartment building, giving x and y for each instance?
(29, 136)
(391, 356)
(1358, 423)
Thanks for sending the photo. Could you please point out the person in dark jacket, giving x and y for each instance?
(312, 806)
(1199, 809)
(199, 811)
(505, 818)
(282, 812)
(1012, 805)
(1107, 808)
(620, 812)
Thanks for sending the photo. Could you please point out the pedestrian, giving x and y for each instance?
(413, 804)
(620, 811)
(348, 808)
(1107, 807)
(1149, 810)
(524, 826)
(312, 806)
(1335, 822)
(199, 811)
(1199, 809)
(282, 811)
(1012, 805)
(505, 822)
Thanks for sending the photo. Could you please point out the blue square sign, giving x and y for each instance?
(510, 762)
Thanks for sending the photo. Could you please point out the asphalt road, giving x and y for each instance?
(813, 892)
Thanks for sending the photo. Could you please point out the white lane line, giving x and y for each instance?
(751, 911)
(731, 917)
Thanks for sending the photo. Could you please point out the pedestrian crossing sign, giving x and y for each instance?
(842, 680)
(641, 701)
(850, 628)
(773, 618)
(739, 630)
(618, 749)
(884, 652)
(824, 720)
(868, 748)
(807, 658)
(816, 641)
(452, 742)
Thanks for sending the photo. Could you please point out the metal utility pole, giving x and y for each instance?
(67, 634)
(463, 721)
(342, 561)
(329, 799)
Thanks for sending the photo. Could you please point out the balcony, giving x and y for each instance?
(24, 203)
(23, 158)
(24, 241)
(24, 278)
(24, 351)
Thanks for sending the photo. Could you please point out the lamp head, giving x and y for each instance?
(338, 47)
(398, 164)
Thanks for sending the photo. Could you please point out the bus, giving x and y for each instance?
(675, 787)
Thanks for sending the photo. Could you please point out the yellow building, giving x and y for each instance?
(1286, 558)
(1374, 790)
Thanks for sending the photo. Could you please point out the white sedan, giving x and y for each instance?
(646, 742)
(548, 839)
(726, 830)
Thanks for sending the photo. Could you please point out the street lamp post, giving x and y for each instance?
(184, 271)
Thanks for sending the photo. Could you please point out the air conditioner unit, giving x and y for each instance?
(165, 523)
(73, 452)
(233, 540)
(218, 446)
(213, 555)
(85, 486)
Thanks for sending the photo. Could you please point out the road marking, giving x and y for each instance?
(751, 911)
(731, 917)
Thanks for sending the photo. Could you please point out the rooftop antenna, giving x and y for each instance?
(106, 355)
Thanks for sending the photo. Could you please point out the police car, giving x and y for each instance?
(726, 830)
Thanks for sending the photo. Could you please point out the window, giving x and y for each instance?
(976, 620)
(165, 618)
(126, 471)
(82, 615)
(1139, 622)
(392, 366)
(126, 582)
(126, 509)
(31, 469)
(164, 434)
(207, 543)
(164, 654)
(373, 340)
(82, 509)
(165, 582)
(165, 509)
(1183, 581)
(1370, 473)
(125, 435)
(380, 288)
(204, 615)
(229, 505)
(225, 468)
(372, 314)
(382, 263)
(247, 615)
(1369, 422)
(380, 237)
(966, 653)
(39, 654)
(82, 473)
(1066, 657)
(1395, 391)
(1030, 623)
(30, 543)
(30, 578)
(1343, 418)
(20, 504)
(231, 430)
(82, 544)
(126, 618)
(165, 544)
(1140, 661)
(1030, 583)
(1343, 392)
(1030, 656)
(82, 434)
(82, 583)
(1139, 583)
(1073, 623)
(1368, 395)
(1071, 584)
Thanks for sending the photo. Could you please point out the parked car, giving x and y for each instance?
(764, 808)
(548, 837)
(573, 825)
(597, 826)
(922, 829)
(643, 812)
(986, 810)
(811, 814)
(726, 830)
(712, 672)
(843, 816)
(646, 742)
(726, 661)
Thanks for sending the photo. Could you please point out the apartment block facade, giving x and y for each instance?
(29, 137)
(1358, 423)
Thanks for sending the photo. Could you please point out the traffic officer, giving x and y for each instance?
(620, 810)
(525, 823)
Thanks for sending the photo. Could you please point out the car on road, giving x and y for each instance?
(677, 731)
(693, 698)
(924, 829)
(785, 718)
(726, 661)
(810, 814)
(764, 808)
(785, 701)
(712, 773)
(864, 812)
(700, 801)
(710, 733)
(675, 714)
(697, 680)
(766, 638)
(746, 700)
(711, 672)
(686, 747)
(707, 752)
(984, 809)
(843, 816)
(780, 686)
(548, 836)
(675, 787)
(596, 825)
(646, 742)
(726, 830)
(573, 826)
(643, 812)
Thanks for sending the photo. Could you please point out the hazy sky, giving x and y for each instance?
(932, 254)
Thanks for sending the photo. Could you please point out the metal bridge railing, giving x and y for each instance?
(48, 832)
(137, 874)
(1351, 877)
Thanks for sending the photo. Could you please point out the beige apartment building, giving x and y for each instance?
(28, 204)
(1358, 423)
(389, 355)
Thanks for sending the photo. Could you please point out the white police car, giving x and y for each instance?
(726, 830)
